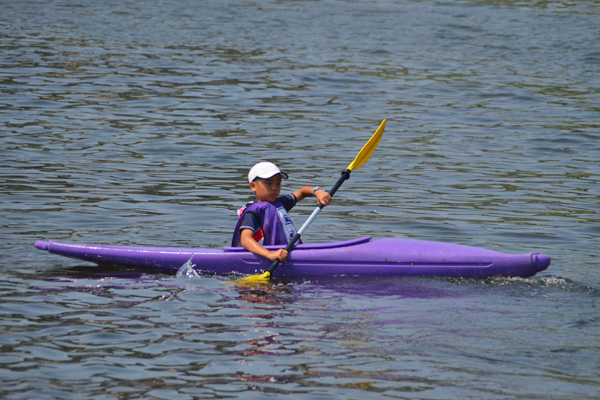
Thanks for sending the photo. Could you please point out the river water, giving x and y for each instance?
(130, 122)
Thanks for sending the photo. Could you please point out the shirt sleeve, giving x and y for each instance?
(288, 201)
(250, 222)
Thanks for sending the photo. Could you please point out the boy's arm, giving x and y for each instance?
(307, 191)
(252, 245)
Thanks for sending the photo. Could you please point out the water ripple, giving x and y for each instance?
(126, 124)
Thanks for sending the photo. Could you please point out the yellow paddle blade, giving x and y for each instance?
(368, 149)
(258, 278)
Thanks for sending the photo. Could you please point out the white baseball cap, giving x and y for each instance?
(265, 170)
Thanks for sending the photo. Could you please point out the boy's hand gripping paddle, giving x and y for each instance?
(360, 160)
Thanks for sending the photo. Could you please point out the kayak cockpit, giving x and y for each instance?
(311, 246)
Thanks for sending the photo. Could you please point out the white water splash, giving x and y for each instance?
(187, 270)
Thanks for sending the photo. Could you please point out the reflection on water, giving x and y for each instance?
(392, 336)
(125, 123)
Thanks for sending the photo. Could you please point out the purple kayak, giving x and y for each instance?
(366, 257)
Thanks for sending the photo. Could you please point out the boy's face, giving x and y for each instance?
(267, 189)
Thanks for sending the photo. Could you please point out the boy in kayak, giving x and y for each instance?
(266, 220)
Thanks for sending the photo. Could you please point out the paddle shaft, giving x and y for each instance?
(345, 176)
